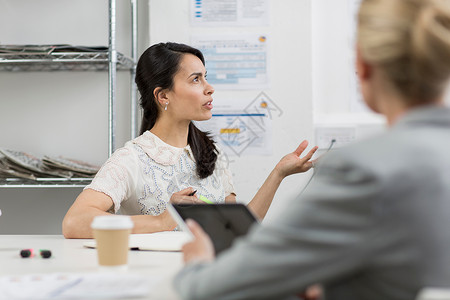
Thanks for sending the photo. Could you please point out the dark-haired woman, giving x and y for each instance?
(171, 158)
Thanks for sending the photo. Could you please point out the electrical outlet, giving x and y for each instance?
(342, 135)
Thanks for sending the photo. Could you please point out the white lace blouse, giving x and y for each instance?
(141, 177)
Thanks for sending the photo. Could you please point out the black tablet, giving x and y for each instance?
(222, 222)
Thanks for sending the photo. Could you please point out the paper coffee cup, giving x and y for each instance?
(111, 234)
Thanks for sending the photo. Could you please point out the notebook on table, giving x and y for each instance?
(158, 241)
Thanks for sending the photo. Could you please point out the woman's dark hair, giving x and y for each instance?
(157, 67)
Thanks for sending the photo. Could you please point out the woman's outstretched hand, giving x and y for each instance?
(293, 163)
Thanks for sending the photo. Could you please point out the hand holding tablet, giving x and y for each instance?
(222, 222)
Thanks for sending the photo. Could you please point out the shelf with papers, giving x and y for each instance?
(44, 182)
(72, 58)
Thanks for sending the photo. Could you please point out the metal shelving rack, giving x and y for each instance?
(109, 60)
(62, 61)
(44, 182)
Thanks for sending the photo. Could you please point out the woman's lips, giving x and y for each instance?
(208, 105)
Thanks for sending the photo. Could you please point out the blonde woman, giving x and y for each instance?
(374, 222)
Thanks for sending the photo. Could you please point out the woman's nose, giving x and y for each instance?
(209, 90)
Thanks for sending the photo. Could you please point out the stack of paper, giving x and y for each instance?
(7, 171)
(19, 164)
(76, 167)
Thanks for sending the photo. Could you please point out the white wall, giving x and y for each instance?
(333, 44)
(290, 76)
(59, 113)
(333, 29)
(337, 103)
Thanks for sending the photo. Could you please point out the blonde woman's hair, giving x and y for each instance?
(409, 40)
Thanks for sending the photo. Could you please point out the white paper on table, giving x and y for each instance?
(75, 286)
(171, 241)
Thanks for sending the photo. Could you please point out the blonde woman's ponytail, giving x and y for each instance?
(410, 41)
(430, 51)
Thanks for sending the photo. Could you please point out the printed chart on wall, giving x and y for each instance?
(243, 127)
(229, 12)
(235, 61)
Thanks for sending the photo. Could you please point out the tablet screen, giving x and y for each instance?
(222, 222)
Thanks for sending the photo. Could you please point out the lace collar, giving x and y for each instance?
(159, 151)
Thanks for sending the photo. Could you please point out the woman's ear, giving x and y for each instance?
(160, 96)
(366, 77)
(363, 69)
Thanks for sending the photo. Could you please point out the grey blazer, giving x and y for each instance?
(374, 223)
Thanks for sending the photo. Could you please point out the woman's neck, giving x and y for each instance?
(172, 133)
(394, 108)
(389, 102)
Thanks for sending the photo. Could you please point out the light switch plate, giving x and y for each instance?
(342, 135)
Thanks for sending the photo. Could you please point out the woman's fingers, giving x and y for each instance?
(184, 196)
(185, 199)
(201, 247)
(186, 191)
(196, 229)
(310, 153)
(303, 145)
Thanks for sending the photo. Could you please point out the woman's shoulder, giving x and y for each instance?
(156, 149)
(124, 154)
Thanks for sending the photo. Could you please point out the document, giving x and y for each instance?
(229, 12)
(242, 127)
(75, 286)
(235, 61)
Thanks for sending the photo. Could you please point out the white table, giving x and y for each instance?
(71, 256)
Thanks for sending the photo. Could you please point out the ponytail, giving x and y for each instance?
(409, 40)
(204, 150)
(430, 50)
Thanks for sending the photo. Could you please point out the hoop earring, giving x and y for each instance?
(165, 108)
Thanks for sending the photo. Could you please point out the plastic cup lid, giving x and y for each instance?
(112, 222)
